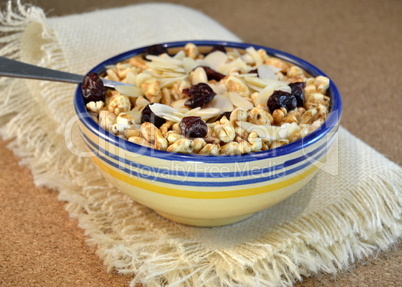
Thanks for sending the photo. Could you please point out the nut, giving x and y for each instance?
(107, 120)
(164, 128)
(95, 107)
(278, 143)
(141, 103)
(231, 148)
(191, 50)
(139, 63)
(198, 144)
(173, 136)
(224, 130)
(140, 141)
(210, 149)
(254, 141)
(160, 142)
(244, 147)
(128, 133)
(236, 85)
(295, 74)
(149, 131)
(178, 87)
(183, 145)
(277, 63)
(238, 115)
(166, 97)
(259, 116)
(112, 75)
(308, 116)
(241, 132)
(123, 121)
(322, 84)
(151, 90)
(279, 116)
(119, 104)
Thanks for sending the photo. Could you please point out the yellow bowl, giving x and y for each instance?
(209, 190)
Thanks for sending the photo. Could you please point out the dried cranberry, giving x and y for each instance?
(298, 91)
(93, 88)
(193, 127)
(148, 116)
(225, 114)
(200, 95)
(280, 99)
(212, 74)
(254, 71)
(218, 48)
(155, 50)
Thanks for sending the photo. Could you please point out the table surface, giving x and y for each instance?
(357, 43)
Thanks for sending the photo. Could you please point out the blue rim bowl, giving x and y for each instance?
(315, 144)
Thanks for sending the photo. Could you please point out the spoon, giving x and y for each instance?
(15, 69)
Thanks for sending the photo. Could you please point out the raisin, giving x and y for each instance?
(212, 74)
(93, 88)
(200, 95)
(154, 50)
(225, 114)
(193, 127)
(254, 71)
(148, 116)
(298, 91)
(218, 48)
(280, 99)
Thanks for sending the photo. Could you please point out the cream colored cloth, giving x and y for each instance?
(349, 210)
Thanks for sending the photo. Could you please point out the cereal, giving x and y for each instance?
(245, 101)
(95, 107)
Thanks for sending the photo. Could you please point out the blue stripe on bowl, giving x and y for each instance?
(98, 150)
(184, 182)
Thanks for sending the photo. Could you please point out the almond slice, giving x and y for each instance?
(165, 59)
(207, 113)
(222, 103)
(189, 64)
(266, 72)
(240, 102)
(129, 91)
(199, 76)
(216, 59)
(166, 112)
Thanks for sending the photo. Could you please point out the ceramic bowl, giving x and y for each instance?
(209, 190)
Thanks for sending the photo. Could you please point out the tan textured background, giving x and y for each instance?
(358, 43)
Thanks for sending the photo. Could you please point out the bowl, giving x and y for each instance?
(206, 190)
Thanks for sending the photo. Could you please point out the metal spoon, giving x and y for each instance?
(15, 69)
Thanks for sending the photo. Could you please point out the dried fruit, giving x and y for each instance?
(254, 71)
(212, 74)
(154, 50)
(200, 95)
(281, 99)
(148, 116)
(225, 114)
(218, 48)
(193, 127)
(93, 88)
(298, 91)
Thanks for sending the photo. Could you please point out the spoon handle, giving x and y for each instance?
(16, 69)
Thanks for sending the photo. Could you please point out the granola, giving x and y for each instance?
(250, 101)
